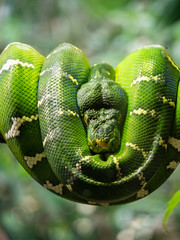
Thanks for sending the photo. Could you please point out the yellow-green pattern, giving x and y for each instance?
(93, 135)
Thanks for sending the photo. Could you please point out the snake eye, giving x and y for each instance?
(86, 119)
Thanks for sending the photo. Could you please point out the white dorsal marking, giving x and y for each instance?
(175, 143)
(56, 188)
(146, 79)
(141, 111)
(11, 62)
(17, 122)
(31, 161)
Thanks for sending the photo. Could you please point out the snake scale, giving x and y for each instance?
(92, 135)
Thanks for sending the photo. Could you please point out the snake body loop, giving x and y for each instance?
(93, 135)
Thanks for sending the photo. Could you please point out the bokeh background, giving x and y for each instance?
(106, 30)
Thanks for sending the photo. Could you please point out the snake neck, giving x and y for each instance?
(101, 71)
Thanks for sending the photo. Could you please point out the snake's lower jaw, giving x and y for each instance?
(104, 139)
(104, 146)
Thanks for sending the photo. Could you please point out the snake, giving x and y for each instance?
(95, 135)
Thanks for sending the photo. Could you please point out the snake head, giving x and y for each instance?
(103, 129)
(102, 103)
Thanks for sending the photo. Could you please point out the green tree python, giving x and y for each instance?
(92, 135)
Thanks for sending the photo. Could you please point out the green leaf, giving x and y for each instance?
(175, 200)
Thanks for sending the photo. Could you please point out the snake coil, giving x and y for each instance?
(92, 135)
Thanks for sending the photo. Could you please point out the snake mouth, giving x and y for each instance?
(103, 145)
(99, 145)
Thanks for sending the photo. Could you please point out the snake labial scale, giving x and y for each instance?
(94, 135)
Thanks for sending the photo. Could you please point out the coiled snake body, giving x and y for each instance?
(92, 135)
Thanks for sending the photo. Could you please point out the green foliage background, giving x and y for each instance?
(106, 30)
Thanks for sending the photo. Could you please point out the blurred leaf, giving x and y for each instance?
(175, 200)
